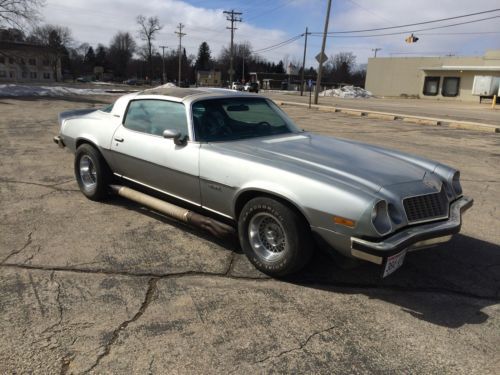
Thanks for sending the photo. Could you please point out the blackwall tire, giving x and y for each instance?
(92, 173)
(274, 237)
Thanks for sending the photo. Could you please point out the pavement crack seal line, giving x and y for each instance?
(15, 252)
(284, 352)
(300, 347)
(53, 187)
(305, 282)
(230, 265)
(148, 298)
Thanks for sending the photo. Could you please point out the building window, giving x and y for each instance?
(3, 74)
(33, 75)
(22, 61)
(46, 75)
(2, 60)
(32, 61)
(11, 60)
(24, 75)
(450, 86)
(431, 85)
(45, 62)
(12, 74)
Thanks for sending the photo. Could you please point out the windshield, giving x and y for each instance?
(238, 118)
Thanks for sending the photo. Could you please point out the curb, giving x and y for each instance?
(420, 120)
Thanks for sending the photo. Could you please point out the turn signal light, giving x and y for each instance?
(344, 221)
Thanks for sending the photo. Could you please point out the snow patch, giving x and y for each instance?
(347, 92)
(168, 85)
(25, 90)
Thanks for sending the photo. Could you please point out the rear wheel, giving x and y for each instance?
(274, 237)
(92, 173)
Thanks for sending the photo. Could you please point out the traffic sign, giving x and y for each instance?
(310, 83)
(321, 58)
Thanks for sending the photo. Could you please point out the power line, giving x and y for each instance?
(278, 45)
(270, 10)
(405, 32)
(412, 24)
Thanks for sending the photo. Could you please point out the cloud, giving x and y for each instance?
(267, 23)
(96, 21)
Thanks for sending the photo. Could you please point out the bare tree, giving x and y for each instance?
(57, 39)
(339, 68)
(148, 27)
(121, 49)
(18, 13)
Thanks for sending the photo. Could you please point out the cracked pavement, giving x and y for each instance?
(116, 288)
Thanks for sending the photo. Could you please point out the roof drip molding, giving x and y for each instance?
(488, 68)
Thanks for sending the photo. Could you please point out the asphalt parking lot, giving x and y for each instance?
(115, 288)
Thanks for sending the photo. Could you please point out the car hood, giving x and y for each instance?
(332, 158)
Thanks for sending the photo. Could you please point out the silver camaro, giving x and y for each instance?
(234, 160)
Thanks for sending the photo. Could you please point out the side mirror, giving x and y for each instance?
(175, 135)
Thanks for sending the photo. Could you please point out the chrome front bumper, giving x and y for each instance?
(412, 238)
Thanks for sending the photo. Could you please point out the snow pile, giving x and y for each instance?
(25, 90)
(347, 92)
(168, 85)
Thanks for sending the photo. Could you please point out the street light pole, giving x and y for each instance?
(320, 67)
(375, 50)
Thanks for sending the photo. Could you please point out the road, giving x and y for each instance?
(446, 110)
(115, 288)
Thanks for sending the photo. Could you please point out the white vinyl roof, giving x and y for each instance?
(464, 67)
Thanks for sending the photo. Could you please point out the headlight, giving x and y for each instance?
(455, 182)
(380, 218)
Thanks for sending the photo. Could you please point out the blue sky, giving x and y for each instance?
(268, 22)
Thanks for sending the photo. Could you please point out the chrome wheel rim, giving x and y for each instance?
(267, 236)
(88, 174)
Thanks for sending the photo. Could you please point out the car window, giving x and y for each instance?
(155, 116)
(238, 118)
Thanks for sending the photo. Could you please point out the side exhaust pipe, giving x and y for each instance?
(215, 227)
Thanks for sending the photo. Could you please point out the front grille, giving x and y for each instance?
(426, 207)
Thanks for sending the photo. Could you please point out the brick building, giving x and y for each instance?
(24, 62)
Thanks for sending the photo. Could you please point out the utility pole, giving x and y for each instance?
(164, 75)
(180, 34)
(243, 74)
(232, 16)
(303, 66)
(375, 52)
(320, 67)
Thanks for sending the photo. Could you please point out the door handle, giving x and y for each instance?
(119, 139)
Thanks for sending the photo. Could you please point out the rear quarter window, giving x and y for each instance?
(154, 116)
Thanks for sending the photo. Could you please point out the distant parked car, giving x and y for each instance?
(237, 86)
(131, 81)
(83, 79)
(251, 87)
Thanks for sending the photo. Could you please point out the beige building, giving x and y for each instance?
(22, 62)
(445, 78)
(208, 78)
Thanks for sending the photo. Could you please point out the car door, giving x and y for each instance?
(143, 155)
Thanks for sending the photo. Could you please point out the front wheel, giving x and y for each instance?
(92, 173)
(274, 237)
